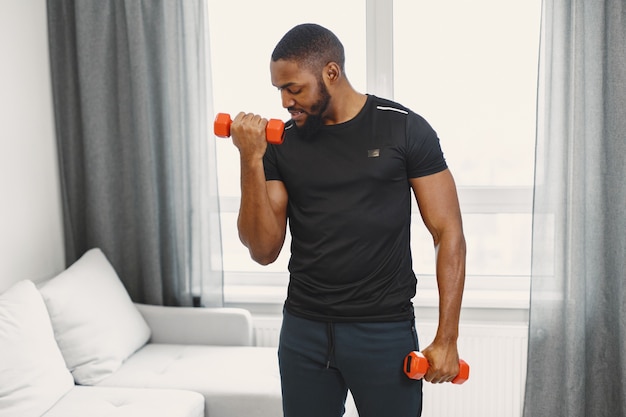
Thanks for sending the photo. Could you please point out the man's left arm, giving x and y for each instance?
(439, 207)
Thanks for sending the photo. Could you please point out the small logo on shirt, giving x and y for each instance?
(373, 153)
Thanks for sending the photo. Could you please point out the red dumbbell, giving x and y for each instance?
(274, 131)
(416, 365)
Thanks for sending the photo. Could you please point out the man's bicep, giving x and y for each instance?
(437, 201)
(278, 197)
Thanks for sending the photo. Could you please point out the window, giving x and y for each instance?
(468, 67)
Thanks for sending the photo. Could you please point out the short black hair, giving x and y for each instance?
(312, 45)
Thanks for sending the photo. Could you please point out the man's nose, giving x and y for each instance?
(287, 100)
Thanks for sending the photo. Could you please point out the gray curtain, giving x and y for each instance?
(137, 164)
(577, 337)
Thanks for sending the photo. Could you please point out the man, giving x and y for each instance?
(343, 179)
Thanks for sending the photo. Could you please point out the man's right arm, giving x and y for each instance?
(262, 221)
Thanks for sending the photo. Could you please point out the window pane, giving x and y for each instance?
(235, 254)
(470, 68)
(243, 35)
(497, 245)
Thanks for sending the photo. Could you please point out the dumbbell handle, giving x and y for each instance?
(274, 131)
(416, 365)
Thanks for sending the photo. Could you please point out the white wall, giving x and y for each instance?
(31, 235)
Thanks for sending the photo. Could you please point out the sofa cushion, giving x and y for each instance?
(33, 375)
(95, 322)
(128, 402)
(235, 380)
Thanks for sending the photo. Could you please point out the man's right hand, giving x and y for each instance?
(248, 134)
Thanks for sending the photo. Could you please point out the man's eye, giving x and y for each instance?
(294, 92)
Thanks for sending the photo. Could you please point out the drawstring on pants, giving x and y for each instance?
(330, 332)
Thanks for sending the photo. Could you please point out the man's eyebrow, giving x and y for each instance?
(287, 85)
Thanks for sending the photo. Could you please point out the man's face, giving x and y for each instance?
(303, 94)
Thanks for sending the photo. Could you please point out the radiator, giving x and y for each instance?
(496, 353)
(266, 330)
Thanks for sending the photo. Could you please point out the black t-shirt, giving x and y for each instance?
(349, 212)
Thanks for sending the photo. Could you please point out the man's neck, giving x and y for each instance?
(344, 106)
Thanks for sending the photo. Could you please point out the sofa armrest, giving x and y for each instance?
(198, 326)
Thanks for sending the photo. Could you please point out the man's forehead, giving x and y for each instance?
(288, 72)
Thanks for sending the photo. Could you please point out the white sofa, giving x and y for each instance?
(78, 346)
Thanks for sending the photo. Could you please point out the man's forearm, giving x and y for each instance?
(451, 282)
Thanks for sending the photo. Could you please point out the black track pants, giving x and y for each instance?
(320, 361)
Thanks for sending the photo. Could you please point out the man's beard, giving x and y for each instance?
(314, 120)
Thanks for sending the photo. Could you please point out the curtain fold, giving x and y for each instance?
(577, 336)
(138, 174)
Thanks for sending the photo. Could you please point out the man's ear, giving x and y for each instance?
(332, 72)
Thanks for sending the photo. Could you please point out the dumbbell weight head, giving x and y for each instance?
(275, 131)
(463, 373)
(415, 365)
(221, 126)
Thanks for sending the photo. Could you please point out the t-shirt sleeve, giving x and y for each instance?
(269, 164)
(425, 156)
